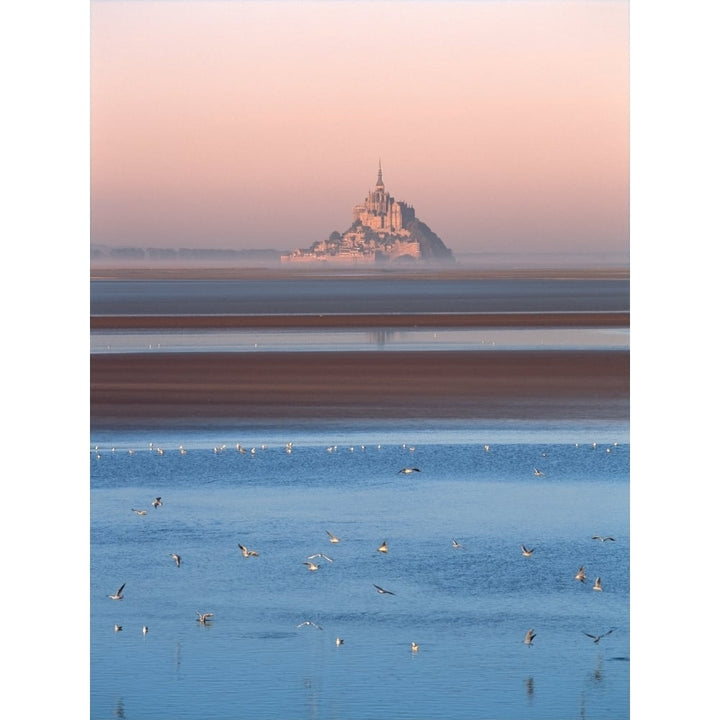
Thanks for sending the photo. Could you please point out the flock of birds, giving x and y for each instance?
(205, 618)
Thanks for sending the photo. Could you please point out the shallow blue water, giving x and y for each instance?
(468, 608)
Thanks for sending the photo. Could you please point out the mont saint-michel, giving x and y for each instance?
(383, 229)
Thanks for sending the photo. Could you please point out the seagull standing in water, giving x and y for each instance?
(176, 558)
(529, 637)
(596, 638)
(119, 594)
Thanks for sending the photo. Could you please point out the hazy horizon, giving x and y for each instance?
(240, 125)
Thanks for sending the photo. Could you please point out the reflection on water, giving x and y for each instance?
(106, 341)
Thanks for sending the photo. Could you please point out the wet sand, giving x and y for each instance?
(176, 388)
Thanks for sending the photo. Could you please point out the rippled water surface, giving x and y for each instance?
(279, 490)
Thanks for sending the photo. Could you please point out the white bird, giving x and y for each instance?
(320, 555)
(203, 617)
(118, 628)
(603, 539)
(247, 553)
(311, 566)
(456, 544)
(145, 629)
(538, 473)
(596, 638)
(408, 470)
(157, 502)
(529, 637)
(176, 558)
(119, 594)
(414, 647)
(339, 641)
(309, 623)
(597, 585)
(581, 574)
(139, 512)
(332, 537)
(382, 591)
(383, 548)
(526, 552)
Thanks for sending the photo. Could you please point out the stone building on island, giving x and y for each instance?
(383, 229)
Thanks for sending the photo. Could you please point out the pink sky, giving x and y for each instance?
(260, 124)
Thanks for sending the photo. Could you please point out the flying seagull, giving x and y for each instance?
(316, 555)
(247, 553)
(382, 591)
(526, 552)
(118, 628)
(332, 537)
(139, 512)
(597, 585)
(383, 548)
(603, 539)
(311, 566)
(339, 641)
(119, 594)
(529, 637)
(581, 574)
(408, 470)
(538, 473)
(157, 502)
(596, 638)
(176, 558)
(309, 623)
(145, 629)
(414, 647)
(456, 544)
(203, 617)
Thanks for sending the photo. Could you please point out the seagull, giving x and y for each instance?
(414, 647)
(247, 553)
(145, 629)
(597, 585)
(311, 566)
(157, 502)
(324, 557)
(119, 594)
(382, 591)
(139, 512)
(487, 448)
(596, 638)
(603, 539)
(383, 548)
(581, 574)
(332, 537)
(309, 623)
(538, 473)
(203, 617)
(118, 628)
(456, 544)
(529, 637)
(408, 470)
(176, 558)
(526, 552)
(339, 641)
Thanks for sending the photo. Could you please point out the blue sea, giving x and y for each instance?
(280, 490)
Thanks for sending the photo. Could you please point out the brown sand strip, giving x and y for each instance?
(434, 320)
(170, 387)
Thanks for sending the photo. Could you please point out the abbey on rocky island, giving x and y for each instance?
(383, 229)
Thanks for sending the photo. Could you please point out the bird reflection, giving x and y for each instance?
(119, 709)
(530, 686)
